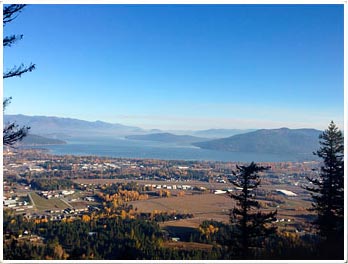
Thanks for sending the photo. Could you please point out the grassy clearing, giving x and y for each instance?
(187, 245)
(47, 204)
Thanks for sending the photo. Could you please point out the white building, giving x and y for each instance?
(286, 192)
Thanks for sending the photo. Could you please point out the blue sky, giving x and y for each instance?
(181, 66)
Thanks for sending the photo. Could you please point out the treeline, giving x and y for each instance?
(101, 238)
(52, 184)
(141, 238)
(158, 216)
(280, 245)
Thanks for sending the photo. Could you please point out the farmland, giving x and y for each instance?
(202, 206)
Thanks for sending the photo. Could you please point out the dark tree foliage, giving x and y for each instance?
(11, 12)
(17, 71)
(12, 133)
(51, 184)
(250, 226)
(328, 191)
(103, 238)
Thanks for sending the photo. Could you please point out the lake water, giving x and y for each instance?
(124, 148)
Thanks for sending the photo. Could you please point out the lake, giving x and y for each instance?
(125, 148)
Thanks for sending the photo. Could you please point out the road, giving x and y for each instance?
(31, 199)
(66, 202)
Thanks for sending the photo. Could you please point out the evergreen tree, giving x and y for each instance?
(328, 191)
(12, 132)
(250, 225)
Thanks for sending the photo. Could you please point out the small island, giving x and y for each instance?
(34, 140)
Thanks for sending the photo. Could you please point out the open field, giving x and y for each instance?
(187, 245)
(203, 206)
(217, 207)
(292, 211)
(47, 204)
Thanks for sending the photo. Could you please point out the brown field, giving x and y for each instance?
(208, 206)
(203, 206)
(216, 207)
(80, 204)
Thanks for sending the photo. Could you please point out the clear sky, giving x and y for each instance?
(180, 66)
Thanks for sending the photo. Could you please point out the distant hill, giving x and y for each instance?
(220, 133)
(283, 140)
(167, 137)
(64, 128)
(31, 139)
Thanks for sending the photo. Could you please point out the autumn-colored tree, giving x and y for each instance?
(86, 218)
(180, 194)
(59, 252)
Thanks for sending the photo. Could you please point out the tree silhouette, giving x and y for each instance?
(250, 225)
(12, 133)
(328, 191)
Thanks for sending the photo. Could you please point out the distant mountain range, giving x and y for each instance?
(168, 138)
(65, 128)
(283, 140)
(220, 133)
(213, 133)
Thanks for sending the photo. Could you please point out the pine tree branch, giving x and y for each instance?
(11, 12)
(8, 41)
(12, 133)
(18, 71)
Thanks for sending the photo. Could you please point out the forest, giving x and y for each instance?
(125, 238)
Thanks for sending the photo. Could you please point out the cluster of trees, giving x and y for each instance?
(52, 184)
(121, 197)
(115, 187)
(159, 216)
(279, 245)
(119, 194)
(163, 193)
(99, 238)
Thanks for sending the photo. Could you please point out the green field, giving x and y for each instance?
(47, 204)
